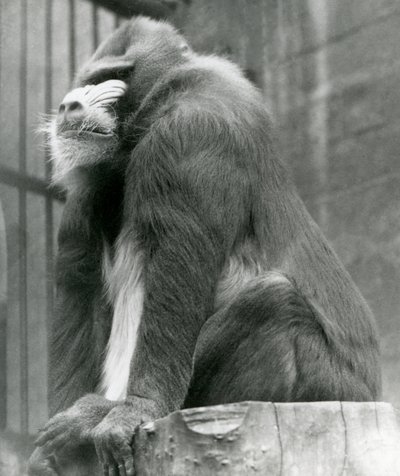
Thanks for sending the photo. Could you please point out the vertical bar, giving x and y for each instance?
(49, 200)
(1, 37)
(49, 76)
(35, 99)
(23, 223)
(3, 321)
(95, 26)
(3, 298)
(83, 32)
(71, 39)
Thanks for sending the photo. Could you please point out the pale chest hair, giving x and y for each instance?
(124, 283)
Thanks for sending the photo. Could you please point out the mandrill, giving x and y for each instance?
(189, 272)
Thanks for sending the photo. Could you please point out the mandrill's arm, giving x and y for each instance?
(184, 206)
(76, 338)
(188, 208)
(74, 352)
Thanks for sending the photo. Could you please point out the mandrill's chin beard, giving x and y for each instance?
(83, 133)
(74, 151)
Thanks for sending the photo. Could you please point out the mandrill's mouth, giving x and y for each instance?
(69, 131)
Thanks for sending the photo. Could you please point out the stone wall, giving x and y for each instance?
(329, 69)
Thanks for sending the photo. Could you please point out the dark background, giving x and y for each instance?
(329, 71)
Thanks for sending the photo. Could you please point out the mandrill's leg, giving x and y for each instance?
(271, 344)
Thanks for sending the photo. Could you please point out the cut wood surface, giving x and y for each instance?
(285, 439)
(255, 438)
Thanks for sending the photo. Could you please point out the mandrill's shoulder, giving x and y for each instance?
(210, 89)
(220, 70)
(217, 79)
(220, 93)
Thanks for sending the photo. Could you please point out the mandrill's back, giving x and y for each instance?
(280, 235)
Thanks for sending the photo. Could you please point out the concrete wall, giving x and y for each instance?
(330, 70)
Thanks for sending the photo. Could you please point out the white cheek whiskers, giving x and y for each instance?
(69, 153)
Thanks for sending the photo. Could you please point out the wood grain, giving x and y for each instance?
(321, 439)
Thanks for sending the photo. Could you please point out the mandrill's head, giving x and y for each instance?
(95, 119)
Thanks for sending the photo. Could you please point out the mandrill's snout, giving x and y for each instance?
(84, 131)
(87, 109)
(71, 110)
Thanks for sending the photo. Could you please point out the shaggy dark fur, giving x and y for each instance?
(244, 299)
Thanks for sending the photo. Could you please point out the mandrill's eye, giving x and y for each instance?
(111, 74)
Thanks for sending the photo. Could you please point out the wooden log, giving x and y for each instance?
(286, 439)
(250, 438)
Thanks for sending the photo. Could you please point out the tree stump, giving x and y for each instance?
(256, 438)
(285, 439)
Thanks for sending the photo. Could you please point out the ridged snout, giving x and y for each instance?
(77, 103)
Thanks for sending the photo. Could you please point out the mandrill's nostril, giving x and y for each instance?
(74, 106)
(71, 110)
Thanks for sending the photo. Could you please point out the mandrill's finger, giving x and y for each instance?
(127, 464)
(40, 465)
(129, 467)
(103, 461)
(107, 462)
(124, 459)
(112, 464)
(121, 469)
(121, 466)
(56, 444)
(112, 470)
(54, 421)
(48, 435)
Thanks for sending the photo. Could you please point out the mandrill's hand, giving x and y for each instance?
(73, 427)
(113, 437)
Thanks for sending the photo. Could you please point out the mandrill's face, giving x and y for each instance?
(95, 119)
(84, 131)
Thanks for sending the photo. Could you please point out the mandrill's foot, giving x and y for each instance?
(113, 437)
